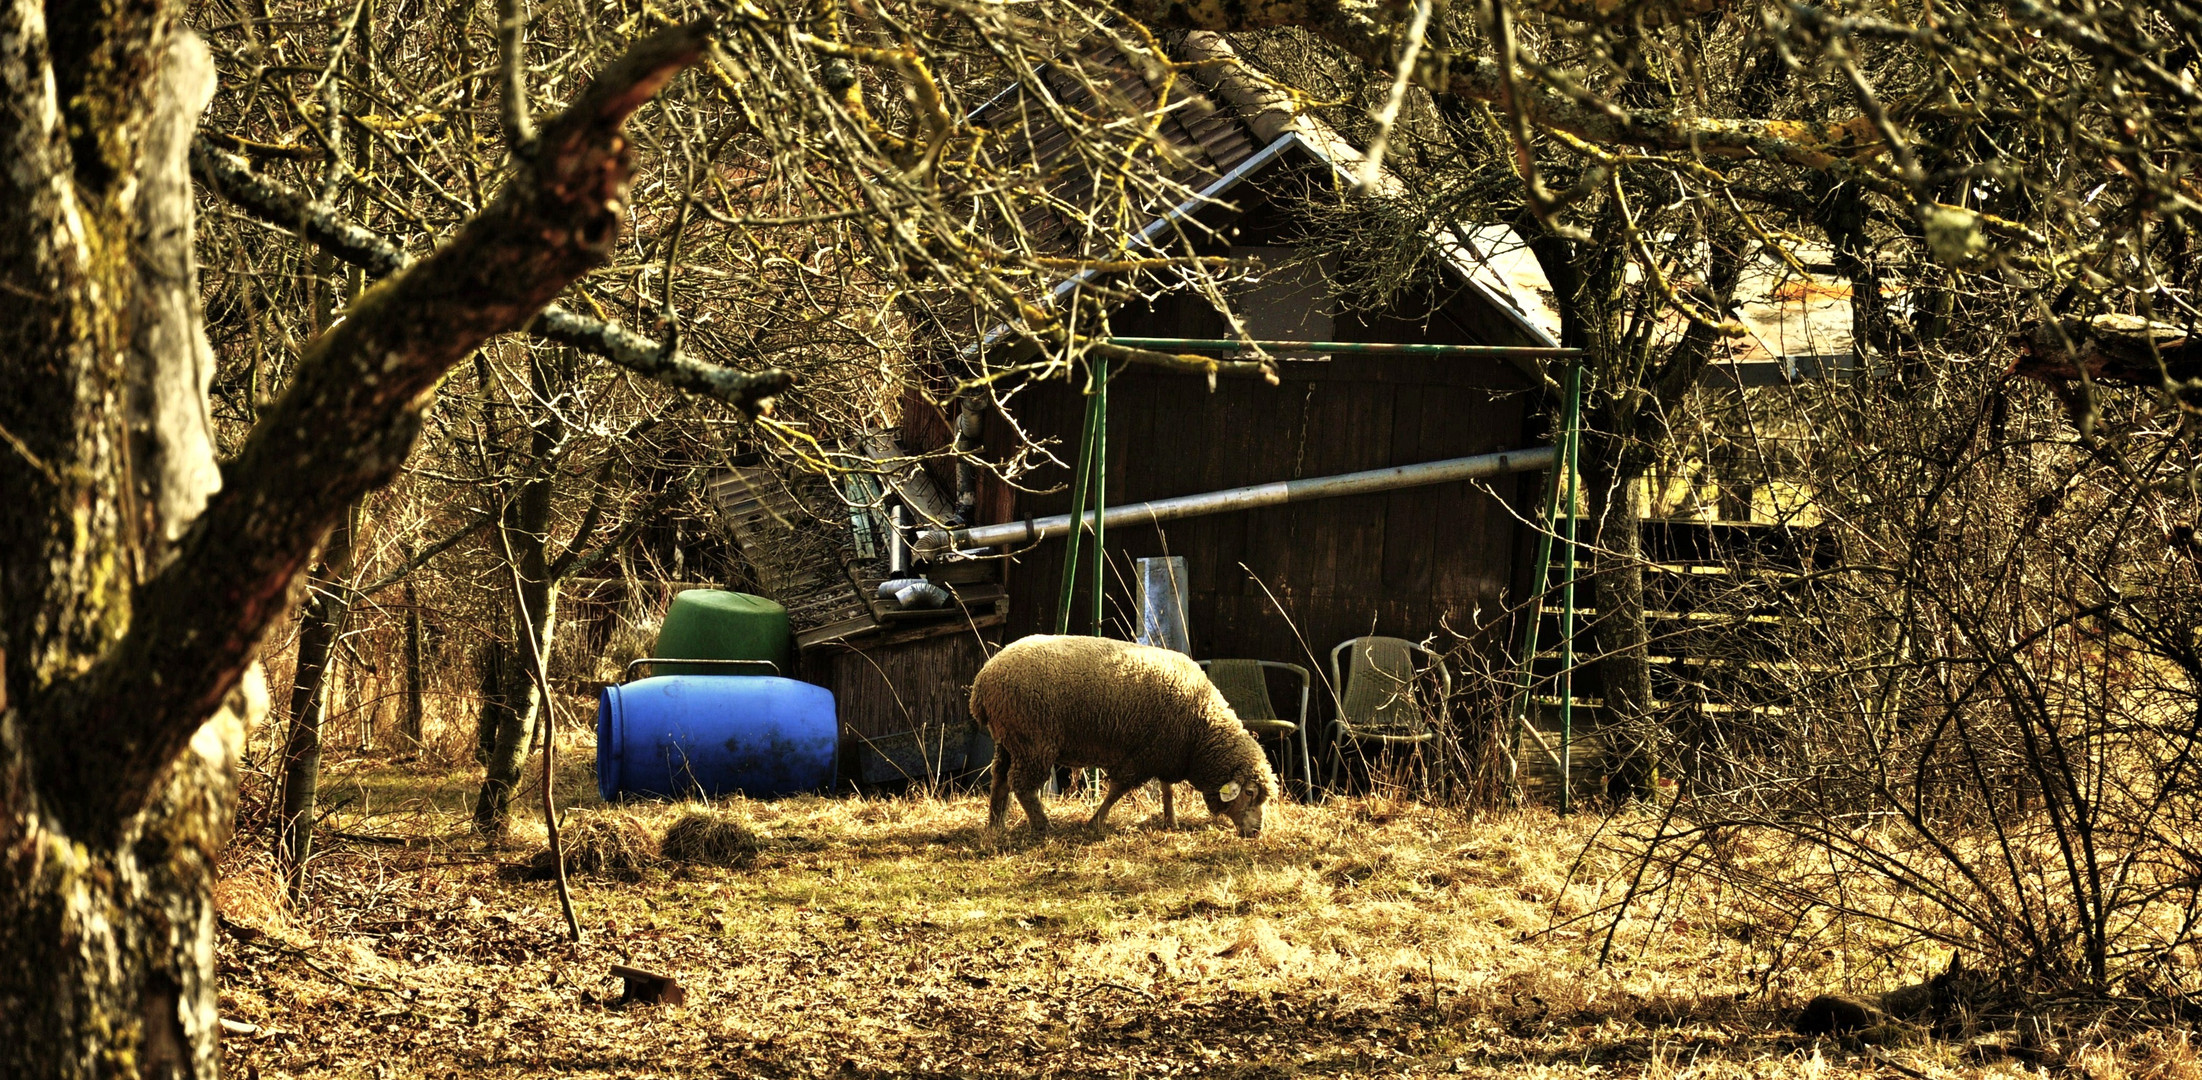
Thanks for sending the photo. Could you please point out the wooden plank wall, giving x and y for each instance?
(898, 684)
(1404, 563)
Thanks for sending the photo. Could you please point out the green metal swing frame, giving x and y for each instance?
(1089, 479)
(1565, 476)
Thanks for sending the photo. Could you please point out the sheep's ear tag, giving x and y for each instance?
(1228, 792)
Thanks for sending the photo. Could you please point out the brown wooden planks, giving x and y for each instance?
(883, 688)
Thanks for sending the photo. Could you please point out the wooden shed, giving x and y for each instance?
(1275, 584)
(1288, 582)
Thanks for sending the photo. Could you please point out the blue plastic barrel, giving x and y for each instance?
(674, 735)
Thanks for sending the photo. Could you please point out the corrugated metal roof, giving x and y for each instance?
(1195, 141)
(781, 527)
(1792, 314)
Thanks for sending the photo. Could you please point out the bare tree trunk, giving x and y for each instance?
(319, 626)
(106, 911)
(1629, 392)
(322, 621)
(1620, 637)
(1842, 212)
(494, 681)
(512, 736)
(106, 948)
(409, 723)
(534, 618)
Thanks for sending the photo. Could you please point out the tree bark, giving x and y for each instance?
(494, 685)
(1841, 212)
(319, 627)
(1371, 32)
(106, 924)
(1620, 636)
(320, 623)
(534, 614)
(510, 739)
(410, 721)
(136, 577)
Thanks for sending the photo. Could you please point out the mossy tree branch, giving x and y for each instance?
(1370, 30)
(331, 230)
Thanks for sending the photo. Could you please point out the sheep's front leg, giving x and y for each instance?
(997, 807)
(1169, 805)
(1118, 788)
(1025, 778)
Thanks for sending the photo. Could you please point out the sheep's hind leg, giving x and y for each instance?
(1169, 805)
(1025, 778)
(1118, 788)
(997, 806)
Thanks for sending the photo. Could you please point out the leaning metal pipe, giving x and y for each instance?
(1501, 352)
(933, 541)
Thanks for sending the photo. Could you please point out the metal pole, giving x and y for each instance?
(1100, 488)
(1079, 472)
(1529, 459)
(1173, 344)
(1571, 440)
(898, 550)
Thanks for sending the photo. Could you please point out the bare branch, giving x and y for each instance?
(328, 228)
(512, 71)
(1367, 30)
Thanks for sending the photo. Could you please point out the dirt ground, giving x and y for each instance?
(864, 938)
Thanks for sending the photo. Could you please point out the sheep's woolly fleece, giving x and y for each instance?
(1131, 709)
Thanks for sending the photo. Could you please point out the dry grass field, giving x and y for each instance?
(874, 938)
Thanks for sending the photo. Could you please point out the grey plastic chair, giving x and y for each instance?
(1376, 693)
(1245, 684)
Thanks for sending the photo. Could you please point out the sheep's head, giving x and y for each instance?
(1240, 800)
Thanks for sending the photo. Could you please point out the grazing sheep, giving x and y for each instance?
(1141, 713)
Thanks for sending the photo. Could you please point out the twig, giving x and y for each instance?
(512, 67)
(1372, 163)
(549, 723)
(1117, 986)
(1880, 1058)
(377, 838)
(329, 229)
(278, 945)
(347, 980)
(1636, 881)
(44, 469)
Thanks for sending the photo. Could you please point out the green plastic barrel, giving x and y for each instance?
(711, 624)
